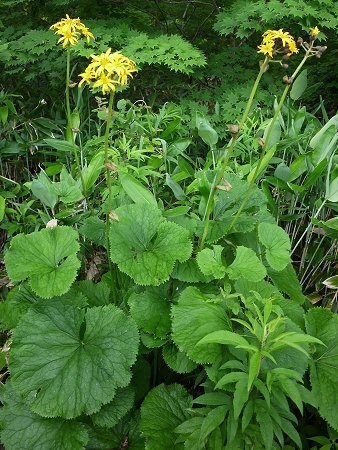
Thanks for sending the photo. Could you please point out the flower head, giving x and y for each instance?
(314, 32)
(70, 31)
(107, 71)
(277, 41)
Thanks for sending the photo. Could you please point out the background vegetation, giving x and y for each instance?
(225, 338)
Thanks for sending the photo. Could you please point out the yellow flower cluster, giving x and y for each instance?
(314, 32)
(70, 30)
(107, 71)
(275, 41)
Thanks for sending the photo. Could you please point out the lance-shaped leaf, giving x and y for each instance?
(47, 258)
(277, 244)
(67, 361)
(24, 430)
(145, 246)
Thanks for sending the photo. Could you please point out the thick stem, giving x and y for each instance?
(225, 159)
(108, 180)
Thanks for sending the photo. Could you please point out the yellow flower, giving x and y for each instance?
(87, 75)
(68, 37)
(105, 83)
(102, 62)
(314, 32)
(70, 29)
(107, 71)
(266, 49)
(87, 34)
(277, 41)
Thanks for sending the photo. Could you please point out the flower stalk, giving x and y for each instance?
(224, 161)
(308, 53)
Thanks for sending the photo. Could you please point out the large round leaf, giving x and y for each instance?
(47, 258)
(67, 361)
(145, 246)
(24, 430)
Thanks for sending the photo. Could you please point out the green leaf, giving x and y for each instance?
(323, 324)
(110, 414)
(62, 146)
(47, 258)
(193, 318)
(246, 265)
(175, 187)
(97, 294)
(213, 399)
(67, 189)
(44, 190)
(87, 356)
(254, 367)
(94, 229)
(223, 337)
(290, 388)
(212, 420)
(145, 246)
(164, 408)
(17, 303)
(206, 132)
(265, 425)
(299, 85)
(177, 360)
(332, 191)
(2, 207)
(4, 114)
(210, 261)
(22, 429)
(135, 190)
(91, 173)
(241, 396)
(232, 377)
(189, 272)
(151, 311)
(331, 282)
(247, 413)
(277, 244)
(287, 281)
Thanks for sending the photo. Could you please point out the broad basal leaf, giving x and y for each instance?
(176, 360)
(24, 430)
(110, 414)
(145, 246)
(246, 265)
(277, 245)
(47, 258)
(151, 311)
(195, 316)
(164, 408)
(67, 361)
(323, 324)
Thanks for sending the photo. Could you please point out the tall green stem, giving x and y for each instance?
(69, 131)
(108, 180)
(267, 138)
(224, 161)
